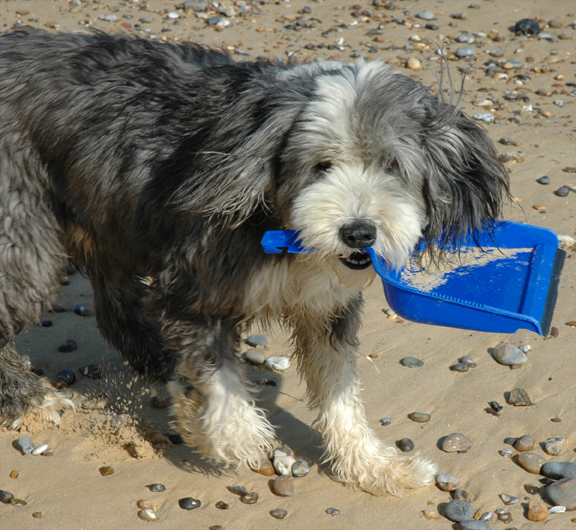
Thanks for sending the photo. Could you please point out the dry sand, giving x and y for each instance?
(68, 488)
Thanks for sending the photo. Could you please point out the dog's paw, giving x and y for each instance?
(48, 410)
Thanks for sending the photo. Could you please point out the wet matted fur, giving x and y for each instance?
(148, 160)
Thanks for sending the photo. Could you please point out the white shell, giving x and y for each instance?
(278, 363)
(283, 465)
(40, 449)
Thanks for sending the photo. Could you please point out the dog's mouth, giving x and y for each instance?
(357, 260)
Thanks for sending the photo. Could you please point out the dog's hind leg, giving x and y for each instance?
(326, 353)
(214, 411)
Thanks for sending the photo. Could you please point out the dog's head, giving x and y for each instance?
(356, 156)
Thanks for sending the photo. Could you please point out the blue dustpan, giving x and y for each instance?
(510, 284)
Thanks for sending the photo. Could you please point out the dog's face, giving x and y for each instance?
(372, 161)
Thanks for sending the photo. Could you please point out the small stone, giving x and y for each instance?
(508, 500)
(257, 340)
(507, 141)
(557, 509)
(465, 38)
(255, 356)
(487, 517)
(459, 367)
(48, 452)
(24, 444)
(66, 375)
(283, 487)
(431, 515)
(507, 453)
(425, 15)
(6, 497)
(527, 26)
(464, 51)
(385, 421)
(554, 332)
(531, 462)
(505, 517)
(279, 513)
(106, 471)
(559, 102)
(157, 488)
(147, 515)
(40, 449)
(300, 468)
(558, 470)
(37, 515)
(46, 323)
(563, 493)
(446, 481)
(173, 15)
(14, 474)
(217, 527)
(405, 445)
(91, 371)
(333, 512)
(456, 443)
(537, 511)
(569, 169)
(525, 443)
(555, 446)
(419, 417)
(413, 64)
(189, 503)
(265, 467)
(508, 354)
(432, 27)
(250, 498)
(472, 524)
(519, 398)
(461, 495)
(468, 361)
(562, 191)
(498, 52)
(411, 362)
(237, 490)
(532, 490)
(525, 348)
(458, 510)
(18, 502)
(109, 18)
(82, 311)
(145, 504)
(146, 19)
(221, 505)
(277, 362)
(484, 116)
(283, 464)
(495, 406)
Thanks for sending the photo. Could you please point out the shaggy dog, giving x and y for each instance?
(147, 160)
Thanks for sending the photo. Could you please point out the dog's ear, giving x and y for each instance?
(234, 170)
(465, 182)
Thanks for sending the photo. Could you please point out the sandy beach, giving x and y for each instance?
(530, 92)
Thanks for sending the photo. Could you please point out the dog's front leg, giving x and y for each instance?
(214, 411)
(326, 351)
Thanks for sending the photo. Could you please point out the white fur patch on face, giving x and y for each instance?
(348, 192)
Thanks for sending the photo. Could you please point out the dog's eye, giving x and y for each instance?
(325, 165)
(389, 161)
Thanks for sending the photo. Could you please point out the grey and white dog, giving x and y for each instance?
(147, 160)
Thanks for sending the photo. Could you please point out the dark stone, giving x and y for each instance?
(405, 445)
(527, 26)
(157, 488)
(66, 375)
(237, 490)
(543, 180)
(68, 346)
(458, 510)
(188, 503)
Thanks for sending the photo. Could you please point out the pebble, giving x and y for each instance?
(432, 27)
(277, 362)
(92, 372)
(68, 346)
(563, 493)
(525, 443)
(413, 64)
(506, 453)
(505, 517)
(256, 340)
(405, 445)
(465, 38)
(250, 498)
(188, 503)
(537, 511)
(109, 18)
(425, 15)
(333, 512)
(221, 505)
(24, 444)
(173, 15)
(559, 470)
(487, 517)
(456, 443)
(559, 102)
(157, 488)
(14, 474)
(411, 362)
(527, 26)
(507, 141)
(6, 497)
(472, 524)
(431, 515)
(558, 509)
(283, 487)
(385, 421)
(145, 504)
(519, 398)
(278, 513)
(562, 191)
(484, 116)
(446, 481)
(283, 464)
(37, 515)
(532, 490)
(464, 51)
(146, 19)
(543, 180)
(196, 5)
(106, 471)
(300, 468)
(265, 468)
(531, 462)
(66, 375)
(468, 361)
(555, 446)
(508, 500)
(458, 510)
(419, 417)
(147, 515)
(255, 356)
(459, 367)
(82, 311)
(494, 405)
(461, 495)
(237, 490)
(18, 502)
(509, 355)
(40, 449)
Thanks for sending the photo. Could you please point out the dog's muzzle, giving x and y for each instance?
(360, 233)
(357, 260)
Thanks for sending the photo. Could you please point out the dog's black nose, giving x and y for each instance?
(358, 234)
